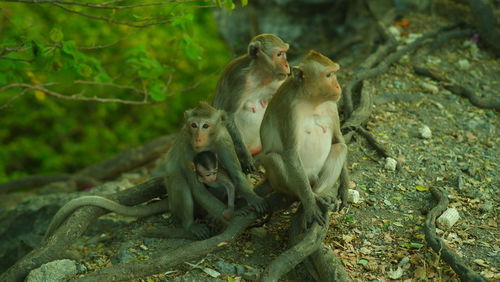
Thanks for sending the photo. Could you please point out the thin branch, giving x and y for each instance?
(105, 5)
(109, 84)
(72, 97)
(110, 20)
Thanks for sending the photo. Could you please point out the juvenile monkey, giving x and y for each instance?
(205, 165)
(304, 151)
(245, 89)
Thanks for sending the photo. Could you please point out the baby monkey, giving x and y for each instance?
(206, 167)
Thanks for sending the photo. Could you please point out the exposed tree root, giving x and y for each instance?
(127, 271)
(75, 226)
(437, 244)
(308, 244)
(108, 169)
(322, 264)
(460, 90)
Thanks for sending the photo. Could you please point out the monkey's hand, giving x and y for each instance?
(248, 165)
(326, 202)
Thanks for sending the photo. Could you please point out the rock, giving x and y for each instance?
(123, 255)
(425, 132)
(353, 196)
(229, 268)
(448, 218)
(463, 64)
(429, 87)
(390, 164)
(54, 271)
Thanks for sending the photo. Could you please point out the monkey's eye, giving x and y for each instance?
(280, 53)
(206, 126)
(193, 125)
(330, 74)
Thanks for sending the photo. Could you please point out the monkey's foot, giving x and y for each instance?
(257, 204)
(314, 213)
(326, 202)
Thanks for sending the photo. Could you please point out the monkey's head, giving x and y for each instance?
(203, 124)
(270, 51)
(318, 72)
(205, 165)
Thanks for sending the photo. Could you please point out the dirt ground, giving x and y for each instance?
(381, 237)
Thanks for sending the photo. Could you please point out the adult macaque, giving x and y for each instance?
(204, 130)
(303, 149)
(205, 165)
(244, 90)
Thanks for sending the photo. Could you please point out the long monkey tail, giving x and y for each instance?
(99, 201)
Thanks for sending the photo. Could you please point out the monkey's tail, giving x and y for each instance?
(99, 201)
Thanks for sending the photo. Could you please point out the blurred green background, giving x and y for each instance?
(175, 64)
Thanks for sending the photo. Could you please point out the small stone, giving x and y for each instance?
(55, 271)
(425, 132)
(353, 196)
(448, 218)
(463, 64)
(429, 87)
(390, 164)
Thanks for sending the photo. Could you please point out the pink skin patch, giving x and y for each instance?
(256, 150)
(324, 127)
(264, 103)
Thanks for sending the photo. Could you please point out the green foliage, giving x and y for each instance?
(71, 54)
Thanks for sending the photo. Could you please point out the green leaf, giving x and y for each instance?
(228, 4)
(244, 3)
(84, 70)
(157, 90)
(362, 261)
(56, 35)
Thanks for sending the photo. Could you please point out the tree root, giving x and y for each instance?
(127, 271)
(460, 90)
(94, 174)
(437, 244)
(75, 226)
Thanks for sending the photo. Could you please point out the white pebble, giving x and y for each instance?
(429, 87)
(425, 132)
(463, 64)
(353, 196)
(448, 218)
(390, 164)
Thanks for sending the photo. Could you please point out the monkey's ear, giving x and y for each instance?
(254, 48)
(187, 114)
(297, 73)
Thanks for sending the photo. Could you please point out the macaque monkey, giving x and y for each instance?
(205, 165)
(304, 151)
(244, 90)
(204, 130)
